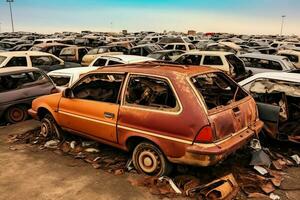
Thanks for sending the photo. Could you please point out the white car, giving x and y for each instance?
(44, 61)
(225, 61)
(106, 60)
(277, 96)
(63, 78)
(293, 56)
(180, 46)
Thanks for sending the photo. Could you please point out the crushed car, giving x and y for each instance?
(277, 95)
(161, 113)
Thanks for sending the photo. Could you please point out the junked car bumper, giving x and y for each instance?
(211, 154)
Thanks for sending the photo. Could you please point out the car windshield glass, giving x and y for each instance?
(93, 52)
(2, 58)
(36, 49)
(66, 52)
(155, 55)
(60, 80)
(289, 63)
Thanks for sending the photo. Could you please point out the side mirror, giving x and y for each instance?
(68, 93)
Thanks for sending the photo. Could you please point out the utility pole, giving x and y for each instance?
(11, 15)
(282, 22)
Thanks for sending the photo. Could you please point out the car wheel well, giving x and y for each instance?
(42, 112)
(133, 141)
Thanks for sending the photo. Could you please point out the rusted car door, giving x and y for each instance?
(92, 108)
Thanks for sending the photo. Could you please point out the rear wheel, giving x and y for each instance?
(16, 114)
(49, 128)
(149, 159)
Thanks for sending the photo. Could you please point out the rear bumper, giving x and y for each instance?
(33, 113)
(211, 154)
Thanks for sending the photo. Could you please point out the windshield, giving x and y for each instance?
(155, 55)
(288, 63)
(236, 63)
(67, 52)
(61, 80)
(36, 48)
(2, 58)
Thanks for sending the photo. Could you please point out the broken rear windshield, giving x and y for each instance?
(217, 89)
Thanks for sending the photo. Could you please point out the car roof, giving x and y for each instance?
(292, 52)
(24, 53)
(283, 76)
(128, 58)
(159, 69)
(217, 53)
(11, 70)
(262, 56)
(73, 70)
(51, 44)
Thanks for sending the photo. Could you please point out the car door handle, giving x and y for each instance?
(109, 115)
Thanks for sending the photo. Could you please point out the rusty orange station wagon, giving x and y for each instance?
(162, 113)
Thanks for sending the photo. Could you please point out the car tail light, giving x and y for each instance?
(54, 90)
(205, 135)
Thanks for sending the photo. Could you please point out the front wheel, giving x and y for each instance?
(49, 128)
(149, 159)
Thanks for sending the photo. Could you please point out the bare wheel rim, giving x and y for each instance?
(149, 161)
(16, 114)
(45, 128)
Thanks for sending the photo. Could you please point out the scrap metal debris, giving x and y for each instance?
(260, 183)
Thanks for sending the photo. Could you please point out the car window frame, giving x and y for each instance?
(119, 98)
(151, 109)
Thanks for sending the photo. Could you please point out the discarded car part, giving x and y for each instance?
(172, 184)
(274, 196)
(267, 187)
(277, 96)
(255, 144)
(261, 170)
(129, 165)
(92, 150)
(223, 188)
(260, 158)
(53, 144)
(296, 158)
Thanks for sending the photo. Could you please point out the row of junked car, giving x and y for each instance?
(131, 107)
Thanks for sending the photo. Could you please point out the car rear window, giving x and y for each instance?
(61, 80)
(217, 89)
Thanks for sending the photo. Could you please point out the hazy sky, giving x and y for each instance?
(236, 16)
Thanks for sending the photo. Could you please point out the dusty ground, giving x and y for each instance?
(26, 172)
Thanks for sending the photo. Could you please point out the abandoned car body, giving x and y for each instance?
(18, 87)
(225, 61)
(278, 99)
(162, 113)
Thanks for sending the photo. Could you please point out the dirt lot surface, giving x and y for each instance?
(30, 172)
(26, 173)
